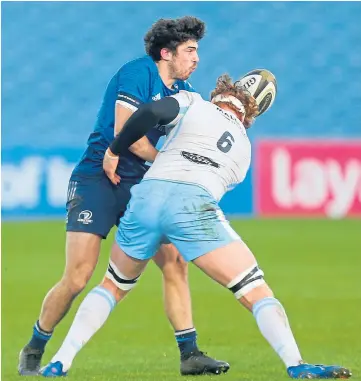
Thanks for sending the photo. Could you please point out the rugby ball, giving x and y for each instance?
(262, 85)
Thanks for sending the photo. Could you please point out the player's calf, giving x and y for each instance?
(251, 290)
(82, 255)
(235, 267)
(94, 311)
(178, 307)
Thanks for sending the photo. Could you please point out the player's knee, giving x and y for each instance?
(75, 283)
(121, 281)
(77, 279)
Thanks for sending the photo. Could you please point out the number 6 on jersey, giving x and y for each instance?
(224, 143)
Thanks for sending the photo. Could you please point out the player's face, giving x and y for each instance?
(184, 61)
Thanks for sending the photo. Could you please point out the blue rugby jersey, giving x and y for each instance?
(136, 82)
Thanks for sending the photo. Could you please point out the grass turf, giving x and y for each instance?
(313, 266)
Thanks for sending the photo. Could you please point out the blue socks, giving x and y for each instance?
(187, 342)
(39, 338)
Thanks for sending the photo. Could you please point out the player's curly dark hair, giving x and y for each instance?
(225, 85)
(169, 33)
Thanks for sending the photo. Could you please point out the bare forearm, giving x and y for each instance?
(144, 149)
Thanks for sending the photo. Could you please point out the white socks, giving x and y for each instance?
(91, 315)
(273, 323)
(98, 304)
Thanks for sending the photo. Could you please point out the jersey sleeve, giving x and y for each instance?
(185, 100)
(134, 82)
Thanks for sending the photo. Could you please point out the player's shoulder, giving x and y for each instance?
(186, 98)
(141, 65)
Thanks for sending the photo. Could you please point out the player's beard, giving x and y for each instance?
(176, 73)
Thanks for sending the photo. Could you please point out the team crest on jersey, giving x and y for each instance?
(199, 159)
(85, 217)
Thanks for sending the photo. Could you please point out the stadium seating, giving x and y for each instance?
(58, 57)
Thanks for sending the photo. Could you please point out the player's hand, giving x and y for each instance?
(110, 163)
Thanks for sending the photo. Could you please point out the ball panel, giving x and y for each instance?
(262, 85)
(265, 103)
(251, 83)
(266, 97)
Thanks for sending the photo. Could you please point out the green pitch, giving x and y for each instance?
(313, 266)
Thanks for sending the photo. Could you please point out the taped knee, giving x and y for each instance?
(246, 281)
(120, 280)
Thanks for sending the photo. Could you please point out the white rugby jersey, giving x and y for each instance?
(205, 146)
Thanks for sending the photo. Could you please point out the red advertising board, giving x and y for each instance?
(308, 178)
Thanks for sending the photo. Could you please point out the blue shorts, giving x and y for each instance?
(94, 205)
(183, 214)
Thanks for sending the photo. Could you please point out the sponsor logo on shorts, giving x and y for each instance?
(85, 217)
